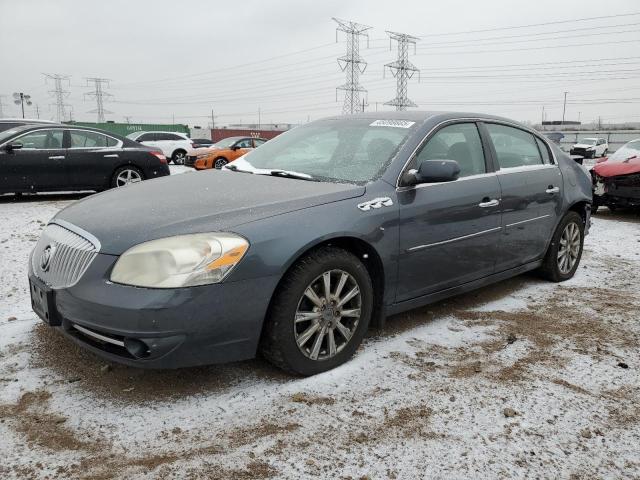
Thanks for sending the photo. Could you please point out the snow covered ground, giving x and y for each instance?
(525, 379)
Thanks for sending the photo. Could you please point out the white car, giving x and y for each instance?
(174, 145)
(590, 147)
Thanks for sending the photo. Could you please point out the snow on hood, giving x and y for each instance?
(196, 202)
(613, 168)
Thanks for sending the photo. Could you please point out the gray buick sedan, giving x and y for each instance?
(295, 249)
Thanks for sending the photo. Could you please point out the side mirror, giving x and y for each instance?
(235, 147)
(13, 146)
(433, 171)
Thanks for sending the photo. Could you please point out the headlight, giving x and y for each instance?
(181, 261)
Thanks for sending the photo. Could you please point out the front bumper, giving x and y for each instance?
(163, 328)
(583, 152)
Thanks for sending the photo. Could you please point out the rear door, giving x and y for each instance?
(39, 165)
(92, 158)
(531, 186)
(449, 232)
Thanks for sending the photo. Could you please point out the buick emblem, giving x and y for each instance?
(45, 258)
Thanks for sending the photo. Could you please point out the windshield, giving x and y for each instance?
(588, 141)
(226, 142)
(343, 150)
(629, 150)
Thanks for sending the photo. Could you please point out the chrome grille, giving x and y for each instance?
(69, 255)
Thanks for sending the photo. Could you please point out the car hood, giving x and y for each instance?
(612, 168)
(582, 145)
(196, 202)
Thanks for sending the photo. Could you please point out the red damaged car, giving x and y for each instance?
(616, 180)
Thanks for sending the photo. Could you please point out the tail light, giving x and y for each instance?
(160, 156)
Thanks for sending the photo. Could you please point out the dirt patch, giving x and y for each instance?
(312, 399)
(30, 417)
(248, 435)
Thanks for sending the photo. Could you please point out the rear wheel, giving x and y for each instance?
(179, 157)
(220, 162)
(126, 175)
(564, 253)
(319, 314)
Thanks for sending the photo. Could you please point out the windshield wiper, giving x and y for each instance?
(291, 174)
(233, 168)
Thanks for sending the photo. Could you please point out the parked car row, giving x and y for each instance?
(49, 157)
(590, 148)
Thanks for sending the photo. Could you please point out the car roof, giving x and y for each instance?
(56, 126)
(423, 115)
(26, 120)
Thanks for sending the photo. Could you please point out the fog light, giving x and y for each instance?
(137, 348)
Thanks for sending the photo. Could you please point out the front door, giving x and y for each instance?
(531, 194)
(39, 165)
(449, 231)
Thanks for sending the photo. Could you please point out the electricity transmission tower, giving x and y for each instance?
(402, 69)
(100, 95)
(59, 93)
(352, 64)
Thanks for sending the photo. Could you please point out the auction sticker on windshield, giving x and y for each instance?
(392, 123)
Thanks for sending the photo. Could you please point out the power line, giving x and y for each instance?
(59, 93)
(352, 64)
(402, 69)
(100, 95)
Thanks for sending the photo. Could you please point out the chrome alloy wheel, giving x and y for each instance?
(569, 248)
(220, 162)
(327, 315)
(127, 176)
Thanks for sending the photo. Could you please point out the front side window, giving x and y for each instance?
(514, 147)
(80, 139)
(246, 143)
(460, 142)
(352, 150)
(41, 140)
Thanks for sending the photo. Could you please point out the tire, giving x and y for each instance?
(120, 176)
(179, 157)
(286, 326)
(553, 268)
(594, 208)
(220, 162)
(606, 150)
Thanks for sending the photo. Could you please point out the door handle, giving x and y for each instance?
(57, 157)
(112, 155)
(489, 203)
(552, 189)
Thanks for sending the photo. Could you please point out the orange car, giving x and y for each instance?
(220, 153)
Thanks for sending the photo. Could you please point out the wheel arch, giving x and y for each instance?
(360, 248)
(179, 149)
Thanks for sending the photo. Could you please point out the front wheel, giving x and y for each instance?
(179, 157)
(564, 253)
(126, 175)
(220, 162)
(319, 314)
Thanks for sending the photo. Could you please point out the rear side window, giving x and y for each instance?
(544, 151)
(173, 136)
(81, 139)
(146, 137)
(460, 142)
(514, 147)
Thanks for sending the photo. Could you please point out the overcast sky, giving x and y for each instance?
(179, 60)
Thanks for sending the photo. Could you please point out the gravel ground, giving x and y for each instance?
(524, 379)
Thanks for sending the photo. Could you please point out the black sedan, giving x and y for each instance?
(46, 158)
(297, 247)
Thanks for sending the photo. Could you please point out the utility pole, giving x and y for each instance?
(564, 107)
(20, 98)
(352, 64)
(58, 93)
(127, 119)
(402, 69)
(100, 95)
(2, 106)
(38, 111)
(213, 121)
(259, 118)
(542, 121)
